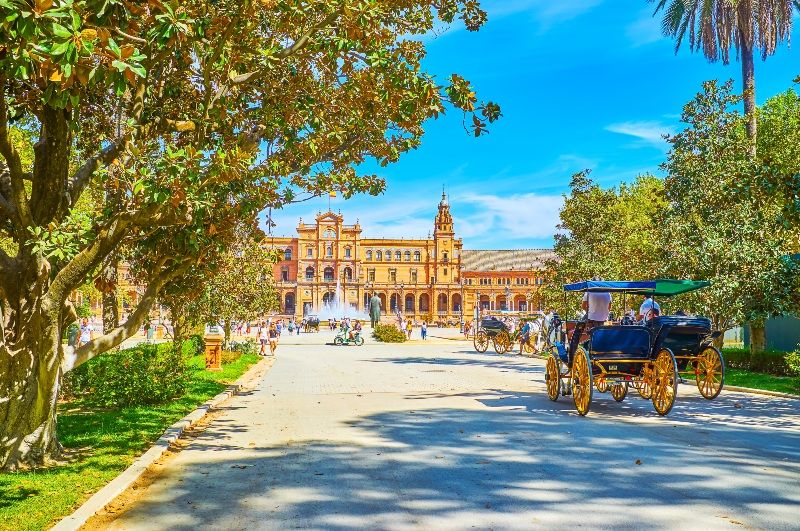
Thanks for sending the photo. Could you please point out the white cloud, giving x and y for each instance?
(649, 133)
(512, 217)
(545, 13)
(644, 30)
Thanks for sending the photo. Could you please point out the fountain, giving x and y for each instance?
(337, 309)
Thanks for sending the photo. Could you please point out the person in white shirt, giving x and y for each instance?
(649, 308)
(597, 306)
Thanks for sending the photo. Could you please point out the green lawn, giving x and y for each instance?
(107, 442)
(757, 380)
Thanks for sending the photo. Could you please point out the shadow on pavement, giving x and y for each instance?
(501, 467)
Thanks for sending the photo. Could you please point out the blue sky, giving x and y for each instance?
(582, 84)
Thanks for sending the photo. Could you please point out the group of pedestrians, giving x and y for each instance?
(407, 327)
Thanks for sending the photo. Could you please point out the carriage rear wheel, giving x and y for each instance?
(710, 369)
(644, 382)
(619, 391)
(552, 376)
(481, 341)
(665, 381)
(601, 384)
(502, 342)
(582, 381)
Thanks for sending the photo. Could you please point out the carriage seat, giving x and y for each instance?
(620, 341)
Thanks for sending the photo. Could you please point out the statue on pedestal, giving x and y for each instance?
(374, 309)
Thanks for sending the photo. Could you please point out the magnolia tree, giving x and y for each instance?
(236, 285)
(612, 233)
(191, 117)
(727, 221)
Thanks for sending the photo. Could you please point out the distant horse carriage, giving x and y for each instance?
(649, 357)
(312, 324)
(494, 330)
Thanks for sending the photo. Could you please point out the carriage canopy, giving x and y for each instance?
(660, 287)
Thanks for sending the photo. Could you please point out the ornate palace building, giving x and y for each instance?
(433, 279)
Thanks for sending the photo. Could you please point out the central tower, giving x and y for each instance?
(444, 256)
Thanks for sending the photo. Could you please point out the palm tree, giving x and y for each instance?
(714, 26)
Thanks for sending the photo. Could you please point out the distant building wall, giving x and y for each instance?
(783, 333)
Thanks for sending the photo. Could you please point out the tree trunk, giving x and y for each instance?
(227, 332)
(110, 298)
(179, 329)
(746, 39)
(758, 337)
(30, 370)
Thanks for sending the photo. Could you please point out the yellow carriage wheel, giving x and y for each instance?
(502, 342)
(601, 384)
(619, 391)
(665, 381)
(481, 341)
(644, 382)
(582, 381)
(552, 376)
(528, 347)
(710, 370)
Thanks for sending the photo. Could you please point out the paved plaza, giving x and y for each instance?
(435, 436)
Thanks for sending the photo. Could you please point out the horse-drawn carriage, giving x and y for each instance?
(311, 324)
(492, 329)
(649, 356)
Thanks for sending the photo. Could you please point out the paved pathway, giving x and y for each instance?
(438, 437)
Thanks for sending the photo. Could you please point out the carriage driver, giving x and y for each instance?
(597, 306)
(649, 308)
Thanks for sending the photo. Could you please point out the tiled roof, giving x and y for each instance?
(505, 260)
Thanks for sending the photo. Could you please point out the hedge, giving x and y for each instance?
(766, 361)
(388, 333)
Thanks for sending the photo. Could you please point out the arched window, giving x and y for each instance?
(388, 255)
(369, 255)
(309, 273)
(416, 256)
(285, 274)
(287, 254)
(348, 273)
(329, 250)
(408, 256)
(397, 256)
(288, 304)
(327, 274)
(329, 233)
(378, 255)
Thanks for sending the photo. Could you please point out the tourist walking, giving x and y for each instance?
(423, 330)
(85, 332)
(409, 327)
(273, 335)
(263, 338)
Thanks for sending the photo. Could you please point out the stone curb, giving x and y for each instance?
(121, 483)
(759, 392)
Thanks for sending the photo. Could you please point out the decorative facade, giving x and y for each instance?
(431, 279)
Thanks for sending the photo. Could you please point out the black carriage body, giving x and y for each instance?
(493, 326)
(686, 337)
(620, 350)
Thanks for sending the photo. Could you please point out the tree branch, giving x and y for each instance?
(13, 162)
(119, 334)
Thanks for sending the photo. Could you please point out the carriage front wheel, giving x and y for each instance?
(619, 391)
(582, 381)
(502, 342)
(552, 376)
(710, 370)
(665, 381)
(481, 341)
